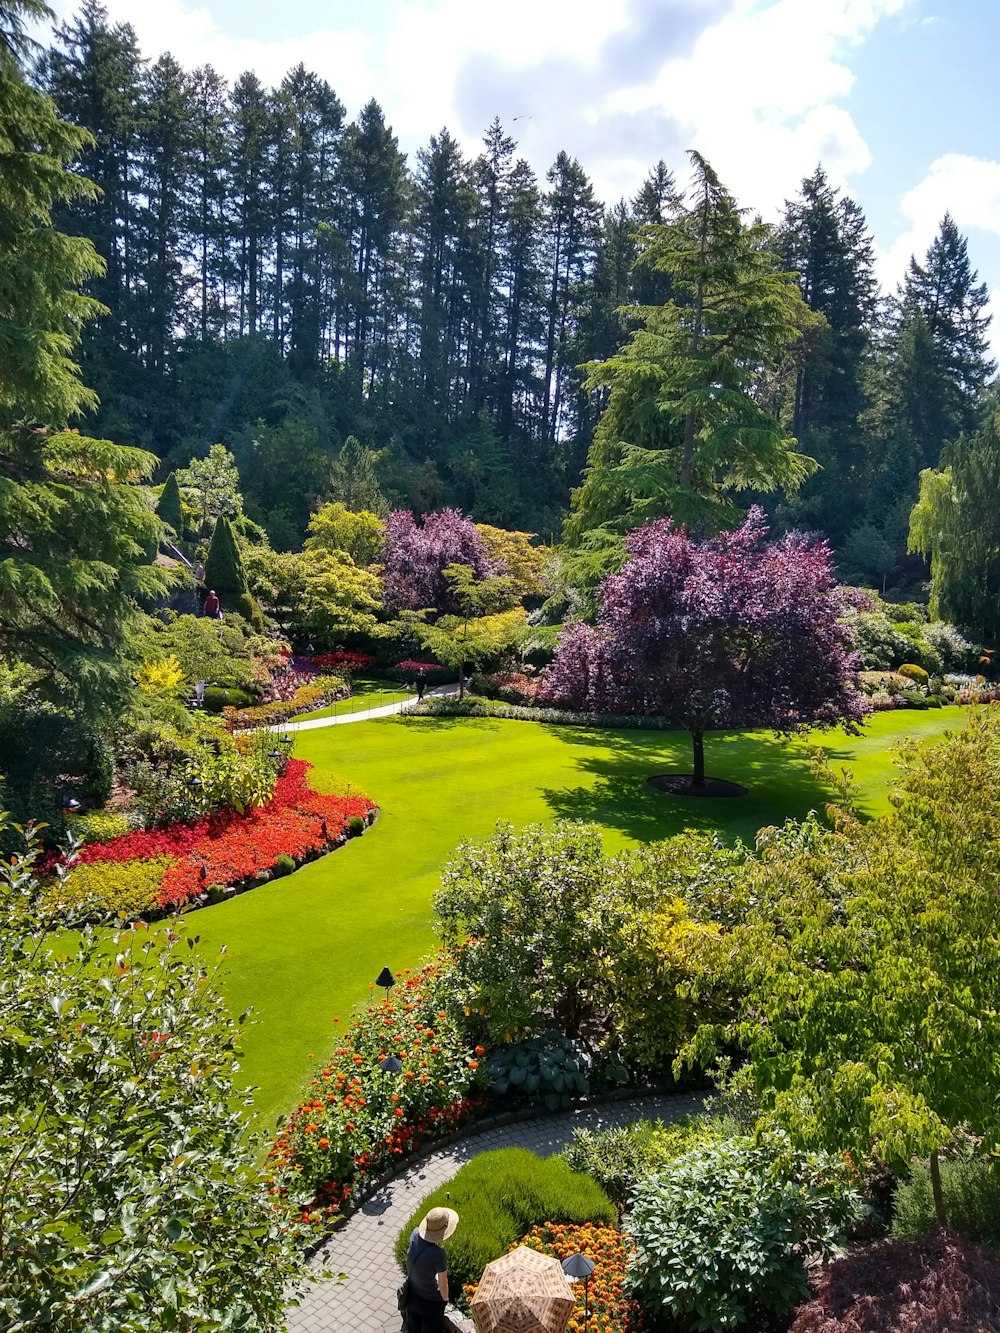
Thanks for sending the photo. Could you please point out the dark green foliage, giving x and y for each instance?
(168, 507)
(971, 1186)
(224, 570)
(550, 1069)
(217, 698)
(355, 826)
(499, 1196)
(284, 865)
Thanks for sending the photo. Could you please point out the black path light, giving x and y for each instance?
(386, 980)
(70, 804)
(579, 1266)
(391, 1064)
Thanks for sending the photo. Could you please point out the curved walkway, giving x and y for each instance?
(365, 715)
(362, 1298)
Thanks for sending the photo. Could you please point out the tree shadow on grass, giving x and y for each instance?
(778, 776)
(436, 722)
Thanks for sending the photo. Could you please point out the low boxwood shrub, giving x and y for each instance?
(218, 697)
(939, 1284)
(355, 826)
(722, 1233)
(913, 672)
(284, 865)
(971, 1187)
(499, 1196)
(549, 1068)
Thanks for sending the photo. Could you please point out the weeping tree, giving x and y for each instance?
(730, 631)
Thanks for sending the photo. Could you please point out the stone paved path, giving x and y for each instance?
(365, 714)
(365, 1301)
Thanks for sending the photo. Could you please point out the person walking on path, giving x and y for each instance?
(427, 1272)
(211, 607)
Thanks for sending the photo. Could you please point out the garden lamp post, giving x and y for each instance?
(70, 804)
(391, 1064)
(386, 980)
(579, 1266)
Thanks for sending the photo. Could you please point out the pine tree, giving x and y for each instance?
(684, 429)
(77, 531)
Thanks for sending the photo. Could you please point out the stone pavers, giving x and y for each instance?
(364, 1299)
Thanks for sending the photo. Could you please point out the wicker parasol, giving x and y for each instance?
(524, 1292)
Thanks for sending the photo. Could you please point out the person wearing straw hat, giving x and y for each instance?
(427, 1272)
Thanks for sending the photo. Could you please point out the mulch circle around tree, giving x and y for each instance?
(682, 784)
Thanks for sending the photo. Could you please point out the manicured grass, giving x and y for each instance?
(305, 948)
(367, 694)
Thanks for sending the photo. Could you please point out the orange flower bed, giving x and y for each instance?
(612, 1310)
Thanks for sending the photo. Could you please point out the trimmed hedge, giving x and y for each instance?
(475, 706)
(499, 1197)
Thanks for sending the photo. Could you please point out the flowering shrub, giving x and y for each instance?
(318, 691)
(224, 848)
(513, 687)
(612, 1310)
(343, 661)
(356, 1120)
(888, 682)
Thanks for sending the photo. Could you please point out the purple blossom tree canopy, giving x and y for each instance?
(415, 556)
(734, 630)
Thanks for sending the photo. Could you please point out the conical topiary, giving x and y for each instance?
(224, 570)
(168, 507)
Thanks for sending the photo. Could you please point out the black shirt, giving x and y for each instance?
(424, 1260)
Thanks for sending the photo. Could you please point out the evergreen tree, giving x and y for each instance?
(824, 238)
(684, 429)
(224, 572)
(77, 532)
(168, 506)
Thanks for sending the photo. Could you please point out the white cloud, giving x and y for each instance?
(757, 85)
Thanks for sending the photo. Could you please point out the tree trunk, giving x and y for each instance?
(461, 680)
(698, 743)
(936, 1190)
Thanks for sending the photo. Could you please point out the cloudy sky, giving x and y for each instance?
(898, 98)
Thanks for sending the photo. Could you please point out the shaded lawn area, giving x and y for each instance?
(305, 948)
(367, 694)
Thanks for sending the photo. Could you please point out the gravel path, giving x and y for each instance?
(365, 1300)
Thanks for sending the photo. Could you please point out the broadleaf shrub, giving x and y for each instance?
(721, 1235)
(939, 1284)
(501, 1195)
(550, 1069)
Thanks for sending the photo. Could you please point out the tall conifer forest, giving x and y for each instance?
(280, 278)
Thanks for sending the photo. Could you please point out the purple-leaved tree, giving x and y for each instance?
(415, 555)
(731, 631)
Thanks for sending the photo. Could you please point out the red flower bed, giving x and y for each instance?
(343, 661)
(226, 848)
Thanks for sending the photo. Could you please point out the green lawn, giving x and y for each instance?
(367, 694)
(306, 947)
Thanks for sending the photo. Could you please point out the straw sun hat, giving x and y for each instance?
(438, 1225)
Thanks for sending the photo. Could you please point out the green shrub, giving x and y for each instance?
(971, 1187)
(618, 1159)
(499, 1196)
(101, 825)
(219, 697)
(283, 865)
(915, 673)
(355, 826)
(548, 1068)
(913, 699)
(123, 889)
(722, 1233)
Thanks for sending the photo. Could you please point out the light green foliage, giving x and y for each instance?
(522, 562)
(913, 672)
(109, 889)
(132, 1197)
(620, 1158)
(722, 1233)
(213, 485)
(954, 524)
(234, 779)
(499, 1196)
(319, 594)
(857, 956)
(224, 652)
(685, 427)
(334, 527)
(970, 1183)
(558, 929)
(550, 1069)
(100, 825)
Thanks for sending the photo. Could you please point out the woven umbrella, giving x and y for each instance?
(524, 1292)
